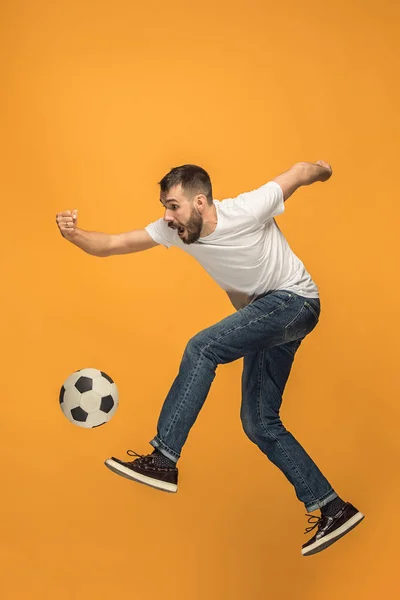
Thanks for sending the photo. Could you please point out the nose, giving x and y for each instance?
(168, 216)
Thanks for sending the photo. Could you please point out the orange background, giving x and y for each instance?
(99, 100)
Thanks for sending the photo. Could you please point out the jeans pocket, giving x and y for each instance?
(303, 323)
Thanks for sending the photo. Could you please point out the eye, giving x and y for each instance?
(170, 207)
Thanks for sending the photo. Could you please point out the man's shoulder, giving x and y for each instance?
(161, 233)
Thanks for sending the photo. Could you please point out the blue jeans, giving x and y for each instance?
(267, 334)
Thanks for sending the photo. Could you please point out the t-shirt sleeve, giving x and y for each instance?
(161, 233)
(264, 203)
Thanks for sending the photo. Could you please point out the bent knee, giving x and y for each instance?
(255, 428)
(197, 344)
(251, 426)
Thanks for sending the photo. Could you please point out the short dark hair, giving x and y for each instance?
(192, 178)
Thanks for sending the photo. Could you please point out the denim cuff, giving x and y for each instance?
(163, 448)
(322, 502)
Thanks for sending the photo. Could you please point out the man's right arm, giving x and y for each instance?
(107, 244)
(103, 244)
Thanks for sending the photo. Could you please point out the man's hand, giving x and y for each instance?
(327, 170)
(66, 222)
(303, 173)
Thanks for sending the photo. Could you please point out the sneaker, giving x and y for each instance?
(145, 469)
(331, 529)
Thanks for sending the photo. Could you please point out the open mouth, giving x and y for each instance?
(179, 228)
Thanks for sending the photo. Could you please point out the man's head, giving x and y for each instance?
(186, 194)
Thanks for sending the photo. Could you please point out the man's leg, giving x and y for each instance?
(269, 321)
(274, 319)
(265, 374)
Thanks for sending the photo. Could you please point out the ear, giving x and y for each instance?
(200, 201)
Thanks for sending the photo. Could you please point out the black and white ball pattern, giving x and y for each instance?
(89, 398)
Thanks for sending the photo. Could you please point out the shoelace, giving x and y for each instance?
(139, 456)
(314, 521)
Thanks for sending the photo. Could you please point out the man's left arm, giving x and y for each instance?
(303, 173)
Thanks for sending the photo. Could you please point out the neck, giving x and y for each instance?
(210, 220)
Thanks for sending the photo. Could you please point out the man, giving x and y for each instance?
(240, 245)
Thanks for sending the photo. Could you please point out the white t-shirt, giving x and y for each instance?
(247, 254)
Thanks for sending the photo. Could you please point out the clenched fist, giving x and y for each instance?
(326, 174)
(66, 222)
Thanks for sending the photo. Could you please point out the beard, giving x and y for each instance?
(192, 228)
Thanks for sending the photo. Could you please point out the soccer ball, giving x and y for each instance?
(89, 398)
